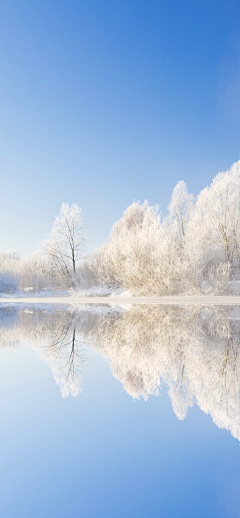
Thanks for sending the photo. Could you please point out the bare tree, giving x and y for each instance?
(65, 245)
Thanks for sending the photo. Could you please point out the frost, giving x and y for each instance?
(194, 250)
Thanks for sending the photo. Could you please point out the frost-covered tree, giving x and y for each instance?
(10, 271)
(215, 226)
(196, 248)
(141, 255)
(65, 244)
(180, 210)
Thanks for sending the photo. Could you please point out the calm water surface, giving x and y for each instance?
(120, 412)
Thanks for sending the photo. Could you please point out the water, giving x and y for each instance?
(120, 412)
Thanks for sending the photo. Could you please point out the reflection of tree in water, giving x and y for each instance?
(53, 334)
(66, 357)
(9, 319)
(144, 344)
(217, 388)
(194, 351)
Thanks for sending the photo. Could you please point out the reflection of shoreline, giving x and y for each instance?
(194, 350)
(203, 300)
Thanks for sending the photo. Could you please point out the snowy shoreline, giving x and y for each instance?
(75, 300)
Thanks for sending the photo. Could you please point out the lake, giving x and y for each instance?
(120, 411)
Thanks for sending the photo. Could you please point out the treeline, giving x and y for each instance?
(195, 249)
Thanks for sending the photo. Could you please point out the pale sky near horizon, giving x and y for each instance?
(105, 102)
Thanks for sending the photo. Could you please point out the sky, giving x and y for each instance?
(105, 102)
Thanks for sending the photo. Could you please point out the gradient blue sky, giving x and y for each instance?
(103, 102)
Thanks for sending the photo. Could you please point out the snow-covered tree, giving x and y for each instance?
(141, 255)
(65, 244)
(10, 271)
(216, 222)
(180, 210)
(195, 248)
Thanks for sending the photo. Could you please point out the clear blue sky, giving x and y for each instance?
(103, 102)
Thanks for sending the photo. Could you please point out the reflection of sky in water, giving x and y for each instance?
(104, 454)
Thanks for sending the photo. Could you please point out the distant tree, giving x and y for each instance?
(65, 244)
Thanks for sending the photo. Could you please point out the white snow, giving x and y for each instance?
(101, 291)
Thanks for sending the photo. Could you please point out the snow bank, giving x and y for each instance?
(102, 291)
